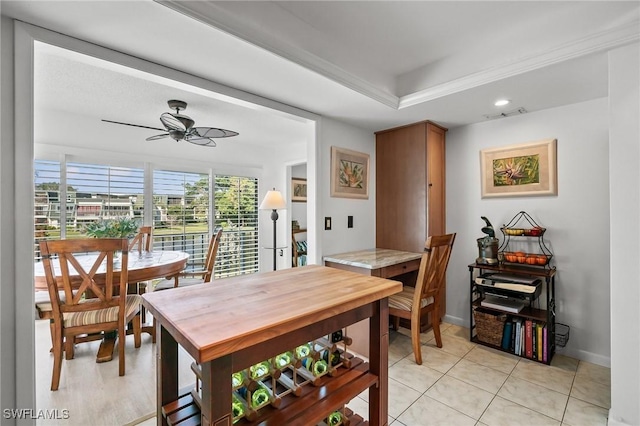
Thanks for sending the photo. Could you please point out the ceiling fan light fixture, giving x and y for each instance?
(176, 135)
(178, 127)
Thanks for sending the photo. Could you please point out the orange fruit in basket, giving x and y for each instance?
(541, 259)
(531, 259)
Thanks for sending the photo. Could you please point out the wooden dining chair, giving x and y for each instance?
(204, 275)
(108, 310)
(414, 303)
(143, 239)
(141, 243)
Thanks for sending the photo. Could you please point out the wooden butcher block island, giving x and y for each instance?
(269, 348)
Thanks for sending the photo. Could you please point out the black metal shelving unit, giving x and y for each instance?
(521, 227)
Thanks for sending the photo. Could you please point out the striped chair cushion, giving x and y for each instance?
(182, 282)
(73, 319)
(404, 300)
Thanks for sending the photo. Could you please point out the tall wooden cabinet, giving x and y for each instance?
(410, 185)
(410, 189)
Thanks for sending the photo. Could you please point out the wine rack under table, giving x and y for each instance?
(186, 412)
(327, 395)
(273, 312)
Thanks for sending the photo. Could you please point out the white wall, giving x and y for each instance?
(624, 160)
(340, 238)
(577, 219)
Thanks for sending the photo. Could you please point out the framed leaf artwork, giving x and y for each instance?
(349, 173)
(519, 170)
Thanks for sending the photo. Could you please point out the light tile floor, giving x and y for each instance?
(467, 384)
(460, 384)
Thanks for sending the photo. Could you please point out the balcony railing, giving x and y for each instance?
(237, 253)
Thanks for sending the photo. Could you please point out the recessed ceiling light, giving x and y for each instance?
(501, 102)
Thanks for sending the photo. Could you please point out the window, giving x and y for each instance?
(102, 192)
(236, 210)
(46, 212)
(182, 215)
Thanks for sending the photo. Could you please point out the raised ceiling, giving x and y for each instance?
(373, 64)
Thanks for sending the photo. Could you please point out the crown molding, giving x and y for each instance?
(219, 18)
(214, 16)
(592, 43)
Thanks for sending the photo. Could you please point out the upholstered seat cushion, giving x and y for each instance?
(404, 299)
(182, 282)
(73, 319)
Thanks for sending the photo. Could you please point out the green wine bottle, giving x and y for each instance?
(303, 350)
(259, 370)
(237, 407)
(317, 368)
(334, 418)
(237, 379)
(320, 367)
(283, 360)
(261, 396)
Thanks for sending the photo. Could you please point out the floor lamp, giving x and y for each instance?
(273, 201)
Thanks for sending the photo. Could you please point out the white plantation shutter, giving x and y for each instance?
(92, 192)
(236, 210)
(180, 215)
(103, 192)
(46, 212)
(183, 216)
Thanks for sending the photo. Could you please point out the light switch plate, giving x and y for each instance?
(327, 224)
(349, 221)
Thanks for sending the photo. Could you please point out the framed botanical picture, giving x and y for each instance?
(519, 170)
(298, 190)
(349, 173)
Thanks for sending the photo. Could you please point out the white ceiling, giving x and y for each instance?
(373, 64)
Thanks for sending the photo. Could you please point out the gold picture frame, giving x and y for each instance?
(519, 170)
(349, 173)
(299, 190)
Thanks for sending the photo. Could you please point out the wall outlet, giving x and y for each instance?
(281, 253)
(349, 221)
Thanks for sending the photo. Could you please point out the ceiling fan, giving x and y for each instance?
(178, 126)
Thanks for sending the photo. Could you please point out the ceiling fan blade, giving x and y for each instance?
(201, 141)
(156, 137)
(133, 125)
(176, 121)
(212, 132)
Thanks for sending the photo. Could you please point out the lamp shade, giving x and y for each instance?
(273, 201)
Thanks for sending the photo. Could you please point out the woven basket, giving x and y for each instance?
(490, 326)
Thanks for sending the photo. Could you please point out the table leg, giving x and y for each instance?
(166, 372)
(105, 352)
(379, 363)
(216, 376)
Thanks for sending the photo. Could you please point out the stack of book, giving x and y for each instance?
(526, 338)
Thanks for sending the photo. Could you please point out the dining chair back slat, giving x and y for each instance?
(143, 239)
